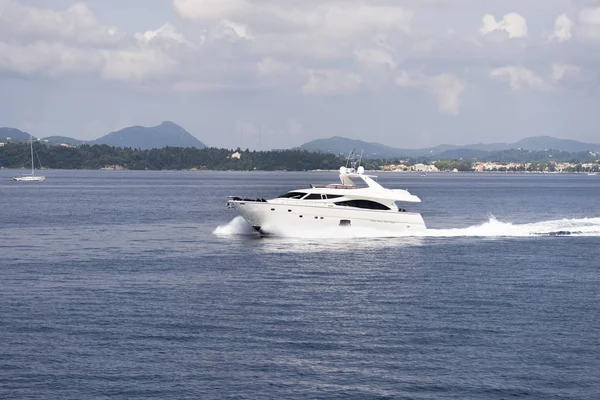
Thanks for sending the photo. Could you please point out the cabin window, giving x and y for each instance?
(366, 204)
(292, 195)
(313, 196)
(333, 196)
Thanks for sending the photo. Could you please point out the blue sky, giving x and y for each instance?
(406, 73)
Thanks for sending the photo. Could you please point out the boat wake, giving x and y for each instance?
(495, 228)
(491, 228)
(237, 226)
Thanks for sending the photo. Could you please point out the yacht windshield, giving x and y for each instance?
(292, 195)
(313, 196)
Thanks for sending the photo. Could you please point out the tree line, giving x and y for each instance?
(17, 155)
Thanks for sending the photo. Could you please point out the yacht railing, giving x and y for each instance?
(334, 186)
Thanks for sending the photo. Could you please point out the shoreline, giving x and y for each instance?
(593, 173)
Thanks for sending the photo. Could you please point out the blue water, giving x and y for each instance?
(143, 285)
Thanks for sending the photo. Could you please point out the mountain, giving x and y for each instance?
(14, 134)
(163, 135)
(340, 145)
(57, 140)
(461, 153)
(539, 143)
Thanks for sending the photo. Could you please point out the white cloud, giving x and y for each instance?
(46, 58)
(328, 29)
(559, 71)
(166, 33)
(45, 42)
(446, 88)
(519, 77)
(272, 67)
(563, 28)
(589, 23)
(200, 10)
(513, 24)
(374, 57)
(135, 65)
(77, 24)
(233, 31)
(331, 81)
(346, 18)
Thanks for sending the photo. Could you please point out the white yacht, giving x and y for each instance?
(346, 205)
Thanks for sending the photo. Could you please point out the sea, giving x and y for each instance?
(143, 285)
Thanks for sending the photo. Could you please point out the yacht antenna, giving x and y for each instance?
(349, 158)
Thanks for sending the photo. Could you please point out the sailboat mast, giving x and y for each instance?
(31, 145)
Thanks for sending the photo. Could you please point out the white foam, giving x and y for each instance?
(491, 228)
(237, 226)
(495, 228)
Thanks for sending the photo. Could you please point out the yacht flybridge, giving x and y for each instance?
(346, 204)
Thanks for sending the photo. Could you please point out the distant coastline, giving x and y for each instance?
(96, 157)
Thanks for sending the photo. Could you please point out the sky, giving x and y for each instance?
(264, 74)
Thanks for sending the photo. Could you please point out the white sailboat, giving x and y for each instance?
(30, 177)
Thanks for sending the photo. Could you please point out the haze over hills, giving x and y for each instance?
(340, 145)
(138, 137)
(170, 134)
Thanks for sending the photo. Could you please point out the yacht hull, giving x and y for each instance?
(29, 178)
(270, 218)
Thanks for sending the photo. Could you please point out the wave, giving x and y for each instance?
(237, 226)
(495, 228)
(490, 228)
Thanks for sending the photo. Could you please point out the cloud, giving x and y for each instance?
(589, 23)
(166, 34)
(230, 31)
(76, 24)
(446, 88)
(375, 57)
(135, 65)
(49, 43)
(520, 77)
(329, 29)
(513, 24)
(51, 59)
(272, 67)
(312, 81)
(563, 27)
(200, 87)
(202, 10)
(559, 71)
(331, 81)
